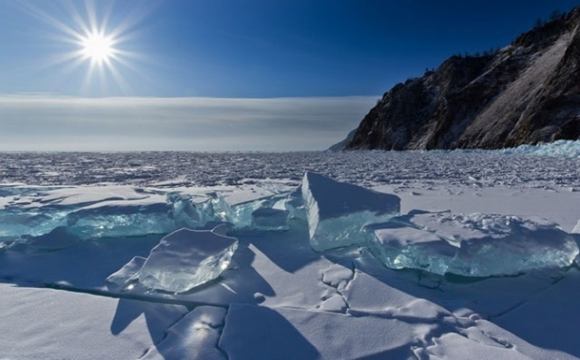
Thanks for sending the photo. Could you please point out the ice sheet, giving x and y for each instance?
(440, 316)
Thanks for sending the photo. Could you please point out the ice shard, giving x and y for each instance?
(187, 258)
(408, 247)
(122, 218)
(15, 223)
(476, 245)
(217, 208)
(337, 212)
(294, 204)
(508, 245)
(256, 214)
(128, 273)
(270, 219)
(184, 212)
(576, 229)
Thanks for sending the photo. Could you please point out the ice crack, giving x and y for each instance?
(218, 347)
(337, 277)
(195, 336)
(145, 298)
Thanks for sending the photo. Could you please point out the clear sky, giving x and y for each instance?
(224, 74)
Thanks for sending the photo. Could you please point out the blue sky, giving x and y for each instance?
(299, 50)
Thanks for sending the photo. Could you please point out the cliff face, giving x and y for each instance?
(526, 93)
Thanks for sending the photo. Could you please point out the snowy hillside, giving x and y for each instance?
(524, 93)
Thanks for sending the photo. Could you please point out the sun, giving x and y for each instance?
(98, 47)
(95, 41)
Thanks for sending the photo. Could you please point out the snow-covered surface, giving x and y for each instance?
(41, 323)
(65, 296)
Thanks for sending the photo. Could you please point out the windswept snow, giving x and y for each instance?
(39, 323)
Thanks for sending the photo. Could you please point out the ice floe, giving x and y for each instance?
(477, 245)
(186, 258)
(337, 212)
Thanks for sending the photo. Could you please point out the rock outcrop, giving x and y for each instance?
(525, 93)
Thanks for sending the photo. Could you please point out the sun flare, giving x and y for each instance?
(98, 47)
(96, 42)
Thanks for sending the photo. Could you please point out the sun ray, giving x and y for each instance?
(119, 80)
(48, 19)
(89, 27)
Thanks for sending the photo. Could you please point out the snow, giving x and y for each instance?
(78, 296)
(303, 334)
(193, 337)
(39, 323)
(186, 259)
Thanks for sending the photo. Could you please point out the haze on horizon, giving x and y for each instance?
(224, 75)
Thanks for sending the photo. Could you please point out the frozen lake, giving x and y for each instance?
(74, 292)
(362, 168)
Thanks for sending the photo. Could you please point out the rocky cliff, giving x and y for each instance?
(525, 93)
